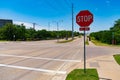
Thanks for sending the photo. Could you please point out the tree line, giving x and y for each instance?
(13, 32)
(111, 36)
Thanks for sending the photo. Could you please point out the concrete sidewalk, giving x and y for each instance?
(106, 66)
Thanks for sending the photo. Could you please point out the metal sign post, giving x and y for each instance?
(84, 54)
(84, 18)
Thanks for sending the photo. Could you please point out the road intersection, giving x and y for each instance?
(44, 60)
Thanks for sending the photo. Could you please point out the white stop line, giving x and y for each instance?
(33, 69)
(64, 60)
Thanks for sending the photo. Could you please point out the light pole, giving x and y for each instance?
(34, 25)
(48, 26)
(57, 32)
(57, 22)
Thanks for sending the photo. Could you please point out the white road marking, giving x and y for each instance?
(65, 63)
(64, 60)
(33, 69)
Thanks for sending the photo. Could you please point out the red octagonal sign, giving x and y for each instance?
(84, 18)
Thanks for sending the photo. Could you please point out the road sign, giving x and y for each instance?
(84, 18)
(84, 29)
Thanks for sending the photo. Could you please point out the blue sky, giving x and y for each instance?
(43, 12)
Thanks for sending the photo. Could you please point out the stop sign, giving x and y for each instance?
(84, 18)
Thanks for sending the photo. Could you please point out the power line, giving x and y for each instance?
(72, 12)
(67, 3)
(55, 5)
(57, 22)
(48, 26)
(49, 4)
(33, 24)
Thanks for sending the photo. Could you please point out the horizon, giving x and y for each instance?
(45, 13)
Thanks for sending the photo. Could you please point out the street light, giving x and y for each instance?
(57, 22)
(48, 26)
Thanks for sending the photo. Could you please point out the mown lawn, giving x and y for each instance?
(98, 43)
(117, 58)
(78, 74)
(65, 41)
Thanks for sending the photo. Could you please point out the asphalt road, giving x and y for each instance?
(45, 60)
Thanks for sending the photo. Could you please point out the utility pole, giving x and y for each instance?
(57, 22)
(57, 32)
(34, 25)
(48, 26)
(72, 21)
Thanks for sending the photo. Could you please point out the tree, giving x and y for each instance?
(30, 34)
(106, 36)
(43, 34)
(9, 31)
(20, 32)
(116, 26)
(2, 37)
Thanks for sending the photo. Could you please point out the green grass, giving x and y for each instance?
(79, 36)
(98, 43)
(78, 74)
(65, 41)
(3, 41)
(117, 58)
(87, 42)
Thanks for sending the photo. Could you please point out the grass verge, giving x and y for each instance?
(65, 41)
(87, 42)
(98, 43)
(78, 74)
(117, 58)
(3, 41)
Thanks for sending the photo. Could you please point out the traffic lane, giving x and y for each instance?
(66, 55)
(37, 76)
(10, 57)
(9, 60)
(47, 52)
(51, 62)
(32, 52)
(22, 50)
(92, 52)
(60, 52)
(19, 74)
(33, 63)
(48, 65)
(26, 73)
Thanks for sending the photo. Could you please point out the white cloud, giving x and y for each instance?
(29, 25)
